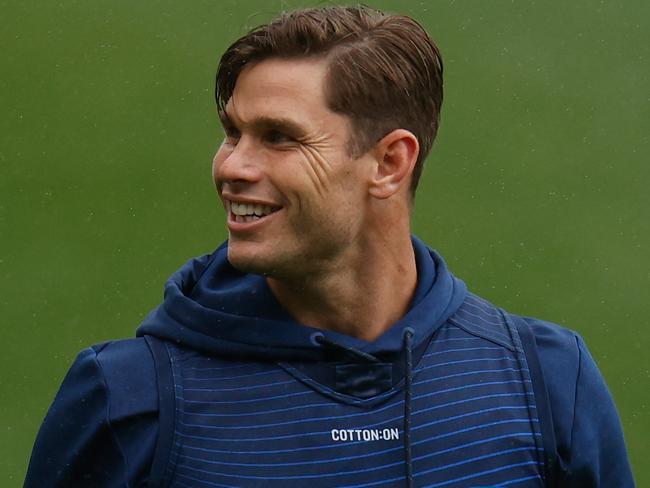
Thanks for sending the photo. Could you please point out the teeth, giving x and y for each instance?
(250, 210)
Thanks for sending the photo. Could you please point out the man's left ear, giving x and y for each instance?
(396, 154)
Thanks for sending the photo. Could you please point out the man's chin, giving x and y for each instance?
(250, 262)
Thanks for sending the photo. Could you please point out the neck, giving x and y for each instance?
(362, 294)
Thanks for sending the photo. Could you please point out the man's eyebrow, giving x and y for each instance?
(280, 124)
(263, 122)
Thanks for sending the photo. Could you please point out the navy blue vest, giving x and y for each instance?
(474, 420)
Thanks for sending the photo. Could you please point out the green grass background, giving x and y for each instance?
(536, 191)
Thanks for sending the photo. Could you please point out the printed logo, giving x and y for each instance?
(342, 435)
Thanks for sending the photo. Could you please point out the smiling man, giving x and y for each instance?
(329, 229)
(323, 344)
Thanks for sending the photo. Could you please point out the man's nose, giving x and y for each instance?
(238, 164)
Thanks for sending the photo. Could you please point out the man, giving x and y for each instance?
(323, 345)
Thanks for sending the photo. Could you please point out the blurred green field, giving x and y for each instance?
(536, 191)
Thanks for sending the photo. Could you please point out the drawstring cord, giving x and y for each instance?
(408, 380)
(408, 353)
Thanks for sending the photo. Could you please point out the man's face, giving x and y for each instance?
(295, 199)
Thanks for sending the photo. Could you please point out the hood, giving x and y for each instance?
(212, 307)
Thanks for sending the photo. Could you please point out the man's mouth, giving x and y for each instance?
(250, 212)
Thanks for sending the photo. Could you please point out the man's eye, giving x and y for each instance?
(277, 137)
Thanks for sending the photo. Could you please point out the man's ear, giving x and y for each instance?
(395, 154)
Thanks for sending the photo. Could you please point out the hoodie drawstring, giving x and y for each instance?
(319, 338)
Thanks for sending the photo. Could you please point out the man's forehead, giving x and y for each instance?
(282, 81)
(278, 92)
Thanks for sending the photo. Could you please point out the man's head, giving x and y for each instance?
(328, 115)
(384, 71)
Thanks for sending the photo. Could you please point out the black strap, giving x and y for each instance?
(166, 412)
(544, 412)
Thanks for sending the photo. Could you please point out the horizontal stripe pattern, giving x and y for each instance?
(473, 419)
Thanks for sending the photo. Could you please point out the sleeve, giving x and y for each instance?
(590, 443)
(89, 438)
(598, 453)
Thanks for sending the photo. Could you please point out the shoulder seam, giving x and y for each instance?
(575, 395)
(108, 415)
(477, 326)
(162, 465)
(477, 333)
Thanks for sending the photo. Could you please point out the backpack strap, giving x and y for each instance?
(544, 412)
(166, 413)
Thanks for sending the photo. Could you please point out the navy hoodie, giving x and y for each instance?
(223, 388)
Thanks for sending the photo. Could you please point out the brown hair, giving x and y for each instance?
(385, 72)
